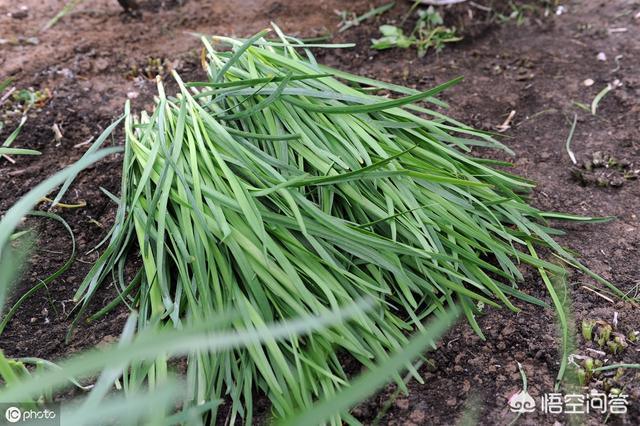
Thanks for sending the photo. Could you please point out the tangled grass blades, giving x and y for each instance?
(282, 188)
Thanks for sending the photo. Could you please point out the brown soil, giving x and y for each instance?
(94, 58)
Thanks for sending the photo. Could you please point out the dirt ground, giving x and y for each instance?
(95, 58)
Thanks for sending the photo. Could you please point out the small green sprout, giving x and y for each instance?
(617, 344)
(619, 374)
(428, 33)
(582, 376)
(587, 329)
(597, 363)
(28, 98)
(604, 333)
(613, 347)
(350, 19)
(589, 364)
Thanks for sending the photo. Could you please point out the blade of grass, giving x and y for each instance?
(570, 138)
(596, 101)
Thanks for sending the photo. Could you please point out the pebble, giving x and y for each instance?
(418, 416)
(101, 64)
(20, 14)
(402, 403)
(67, 73)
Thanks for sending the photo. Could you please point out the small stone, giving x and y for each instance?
(616, 182)
(106, 340)
(67, 73)
(508, 330)
(588, 82)
(101, 64)
(402, 403)
(418, 416)
(602, 56)
(20, 14)
(598, 159)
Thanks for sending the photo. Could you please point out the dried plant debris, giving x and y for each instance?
(150, 68)
(604, 170)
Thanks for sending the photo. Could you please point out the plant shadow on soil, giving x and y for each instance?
(92, 60)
